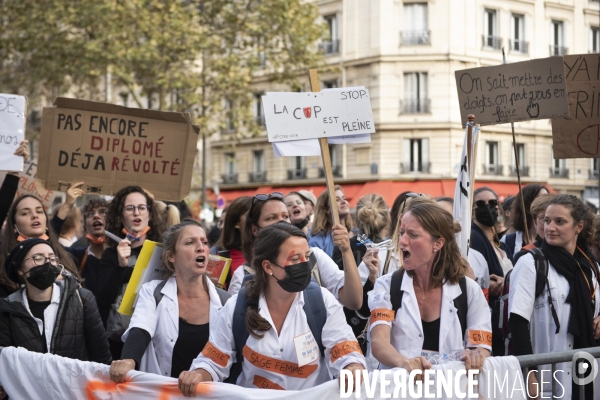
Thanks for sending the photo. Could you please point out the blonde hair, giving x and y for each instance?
(169, 213)
(323, 222)
(372, 215)
(540, 204)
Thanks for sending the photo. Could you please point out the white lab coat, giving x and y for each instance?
(274, 350)
(332, 278)
(407, 330)
(162, 323)
(522, 301)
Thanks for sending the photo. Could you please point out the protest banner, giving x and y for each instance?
(148, 267)
(515, 92)
(109, 147)
(12, 130)
(218, 269)
(578, 136)
(29, 184)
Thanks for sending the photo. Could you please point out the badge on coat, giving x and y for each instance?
(307, 349)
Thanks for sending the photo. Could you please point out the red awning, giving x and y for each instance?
(388, 189)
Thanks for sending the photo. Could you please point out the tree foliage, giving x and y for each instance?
(191, 55)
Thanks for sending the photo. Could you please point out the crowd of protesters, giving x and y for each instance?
(386, 287)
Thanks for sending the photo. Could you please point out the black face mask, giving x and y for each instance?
(43, 276)
(486, 216)
(297, 277)
(302, 223)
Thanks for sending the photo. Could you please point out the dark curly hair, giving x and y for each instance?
(114, 219)
(9, 241)
(530, 192)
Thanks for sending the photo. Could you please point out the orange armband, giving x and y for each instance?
(382, 314)
(480, 337)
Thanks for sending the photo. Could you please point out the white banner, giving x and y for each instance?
(12, 130)
(27, 375)
(312, 115)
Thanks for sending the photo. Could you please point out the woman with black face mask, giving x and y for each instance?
(487, 255)
(267, 328)
(48, 315)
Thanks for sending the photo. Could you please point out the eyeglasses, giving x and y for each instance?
(41, 260)
(142, 209)
(265, 197)
(102, 212)
(482, 203)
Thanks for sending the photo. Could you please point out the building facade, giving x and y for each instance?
(405, 53)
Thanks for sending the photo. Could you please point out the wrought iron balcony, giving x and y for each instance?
(558, 50)
(331, 47)
(415, 38)
(559, 172)
(293, 174)
(523, 169)
(492, 42)
(260, 176)
(230, 178)
(337, 171)
(493, 169)
(411, 168)
(519, 46)
(415, 106)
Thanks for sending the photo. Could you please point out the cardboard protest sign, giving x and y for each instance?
(109, 147)
(521, 91)
(28, 184)
(579, 135)
(12, 130)
(297, 116)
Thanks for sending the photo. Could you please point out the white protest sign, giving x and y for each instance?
(521, 91)
(12, 130)
(297, 116)
(28, 184)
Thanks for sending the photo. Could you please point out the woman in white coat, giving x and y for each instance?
(280, 350)
(431, 283)
(164, 338)
(572, 296)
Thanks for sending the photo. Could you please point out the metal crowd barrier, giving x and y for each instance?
(532, 360)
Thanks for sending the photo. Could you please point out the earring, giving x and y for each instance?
(271, 274)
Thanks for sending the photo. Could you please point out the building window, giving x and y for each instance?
(517, 41)
(594, 168)
(415, 29)
(335, 156)
(297, 168)
(594, 40)
(259, 114)
(523, 169)
(331, 46)
(259, 160)
(492, 159)
(330, 84)
(559, 167)
(557, 46)
(416, 156)
(230, 175)
(124, 99)
(490, 30)
(416, 100)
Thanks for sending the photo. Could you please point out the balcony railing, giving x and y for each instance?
(492, 42)
(331, 47)
(523, 169)
(519, 46)
(493, 169)
(296, 173)
(558, 50)
(415, 38)
(559, 172)
(260, 176)
(337, 171)
(415, 106)
(230, 178)
(411, 168)
(593, 174)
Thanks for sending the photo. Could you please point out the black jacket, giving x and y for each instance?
(78, 332)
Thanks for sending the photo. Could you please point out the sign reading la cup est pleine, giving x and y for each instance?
(514, 92)
(312, 115)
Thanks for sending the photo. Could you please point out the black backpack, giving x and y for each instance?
(541, 281)
(460, 302)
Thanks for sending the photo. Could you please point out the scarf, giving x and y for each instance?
(481, 243)
(95, 239)
(582, 310)
(21, 238)
(132, 236)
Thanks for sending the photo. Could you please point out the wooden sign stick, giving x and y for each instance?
(315, 86)
(471, 156)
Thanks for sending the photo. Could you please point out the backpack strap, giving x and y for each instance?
(316, 312)
(83, 261)
(541, 281)
(157, 291)
(247, 269)
(461, 305)
(314, 268)
(396, 292)
(240, 333)
(386, 265)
